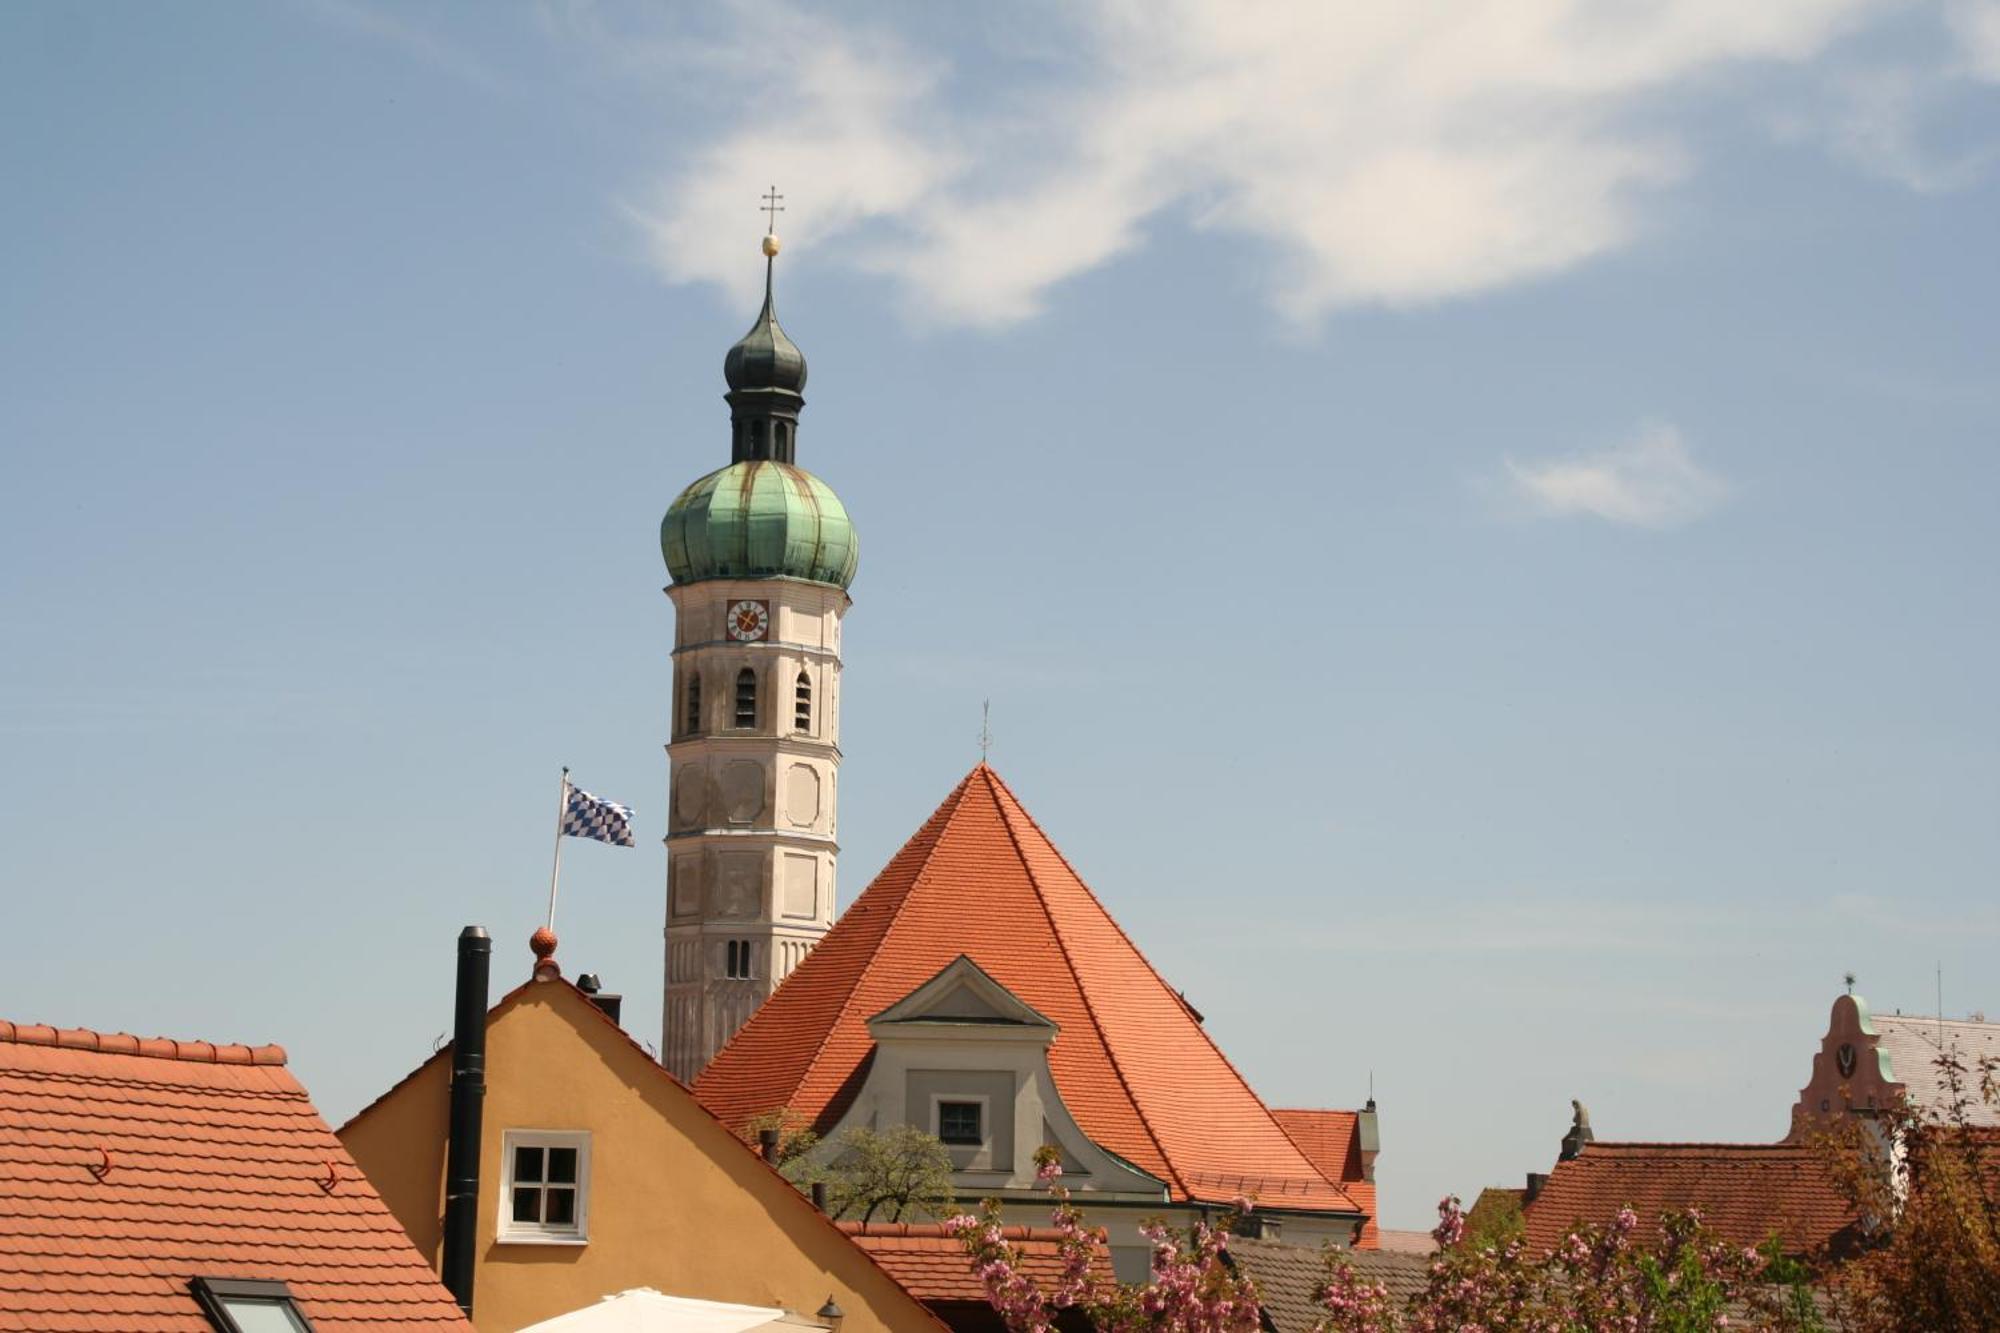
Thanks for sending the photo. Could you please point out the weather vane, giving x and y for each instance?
(774, 204)
(985, 731)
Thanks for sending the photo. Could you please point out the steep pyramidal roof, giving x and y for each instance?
(1131, 1060)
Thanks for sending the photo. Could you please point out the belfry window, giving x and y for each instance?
(736, 960)
(802, 708)
(746, 698)
(691, 722)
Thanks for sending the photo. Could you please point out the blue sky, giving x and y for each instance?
(1475, 524)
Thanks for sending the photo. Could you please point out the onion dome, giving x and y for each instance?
(759, 519)
(765, 358)
(763, 516)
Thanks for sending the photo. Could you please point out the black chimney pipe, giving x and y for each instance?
(468, 1103)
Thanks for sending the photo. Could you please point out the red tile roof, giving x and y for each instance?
(129, 1166)
(1331, 1141)
(1744, 1192)
(934, 1267)
(1134, 1066)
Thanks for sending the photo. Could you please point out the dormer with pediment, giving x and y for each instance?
(964, 1058)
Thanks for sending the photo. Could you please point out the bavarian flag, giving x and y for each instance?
(584, 816)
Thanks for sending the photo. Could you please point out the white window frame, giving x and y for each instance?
(541, 1233)
(938, 1099)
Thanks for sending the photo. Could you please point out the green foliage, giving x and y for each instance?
(901, 1175)
(1495, 1220)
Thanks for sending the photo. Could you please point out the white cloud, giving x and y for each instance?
(1651, 481)
(1975, 24)
(1388, 154)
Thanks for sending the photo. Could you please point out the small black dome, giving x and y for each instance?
(765, 358)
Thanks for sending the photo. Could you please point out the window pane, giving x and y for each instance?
(958, 1122)
(562, 1207)
(562, 1165)
(263, 1316)
(527, 1165)
(527, 1204)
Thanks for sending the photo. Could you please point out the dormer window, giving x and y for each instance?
(239, 1305)
(545, 1196)
(962, 1124)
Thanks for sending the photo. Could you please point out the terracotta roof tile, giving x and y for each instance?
(933, 1266)
(1331, 1141)
(1138, 1072)
(129, 1166)
(1744, 1192)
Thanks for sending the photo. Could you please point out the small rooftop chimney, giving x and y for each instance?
(593, 988)
(1536, 1179)
(1368, 1138)
(767, 1144)
(468, 1098)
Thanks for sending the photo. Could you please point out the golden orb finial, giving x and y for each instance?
(770, 245)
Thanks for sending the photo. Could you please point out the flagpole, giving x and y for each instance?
(555, 871)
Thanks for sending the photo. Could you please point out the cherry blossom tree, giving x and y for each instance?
(1192, 1288)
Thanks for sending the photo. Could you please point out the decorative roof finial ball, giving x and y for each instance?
(770, 245)
(543, 944)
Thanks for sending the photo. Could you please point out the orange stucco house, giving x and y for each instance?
(599, 1172)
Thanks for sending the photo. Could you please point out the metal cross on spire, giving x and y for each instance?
(985, 730)
(774, 204)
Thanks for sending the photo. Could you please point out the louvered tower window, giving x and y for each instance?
(802, 704)
(746, 698)
(692, 721)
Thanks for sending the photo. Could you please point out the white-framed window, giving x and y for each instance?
(545, 1198)
(959, 1122)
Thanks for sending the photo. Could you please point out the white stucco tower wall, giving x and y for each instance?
(754, 783)
(761, 553)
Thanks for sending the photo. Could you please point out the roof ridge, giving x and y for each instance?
(515, 995)
(1140, 954)
(124, 1043)
(1000, 789)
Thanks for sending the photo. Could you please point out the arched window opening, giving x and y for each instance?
(691, 718)
(802, 704)
(757, 439)
(746, 698)
(737, 960)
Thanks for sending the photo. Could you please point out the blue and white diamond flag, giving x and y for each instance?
(584, 816)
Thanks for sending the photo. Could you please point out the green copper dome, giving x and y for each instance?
(759, 519)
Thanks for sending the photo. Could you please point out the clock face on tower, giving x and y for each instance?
(748, 621)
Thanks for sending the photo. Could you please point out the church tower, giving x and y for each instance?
(760, 553)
